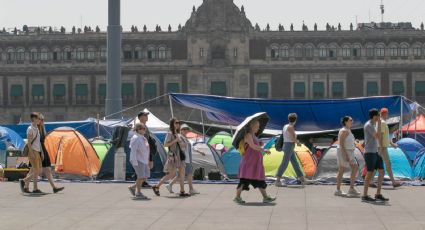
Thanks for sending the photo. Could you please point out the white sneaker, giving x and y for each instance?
(340, 193)
(278, 183)
(352, 192)
(193, 192)
(169, 187)
(141, 196)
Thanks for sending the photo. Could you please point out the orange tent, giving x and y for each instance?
(308, 161)
(418, 124)
(72, 153)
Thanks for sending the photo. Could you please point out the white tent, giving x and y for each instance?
(154, 123)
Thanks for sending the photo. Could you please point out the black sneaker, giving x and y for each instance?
(146, 185)
(37, 191)
(22, 185)
(56, 190)
(380, 197)
(368, 199)
(155, 190)
(183, 194)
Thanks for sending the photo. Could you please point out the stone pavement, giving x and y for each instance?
(109, 206)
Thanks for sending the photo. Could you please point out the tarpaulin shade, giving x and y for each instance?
(102, 90)
(81, 90)
(16, 91)
(59, 90)
(37, 90)
(127, 89)
(313, 115)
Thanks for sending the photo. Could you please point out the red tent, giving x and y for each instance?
(419, 122)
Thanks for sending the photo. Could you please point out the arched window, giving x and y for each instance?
(34, 55)
(309, 51)
(380, 50)
(79, 54)
(393, 50)
(162, 53)
(103, 54)
(274, 51)
(370, 50)
(138, 53)
(57, 54)
(333, 51)
(67, 54)
(417, 50)
(151, 53)
(323, 51)
(298, 51)
(284, 51)
(20, 55)
(44, 54)
(346, 51)
(10, 55)
(91, 54)
(404, 50)
(357, 50)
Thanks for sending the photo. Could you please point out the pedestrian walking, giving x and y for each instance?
(372, 159)
(345, 157)
(139, 159)
(175, 158)
(189, 167)
(289, 141)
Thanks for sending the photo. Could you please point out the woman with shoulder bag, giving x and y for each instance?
(175, 159)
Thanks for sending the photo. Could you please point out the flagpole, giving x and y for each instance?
(171, 105)
(203, 126)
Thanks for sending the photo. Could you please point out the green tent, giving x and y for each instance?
(101, 148)
(272, 162)
(221, 138)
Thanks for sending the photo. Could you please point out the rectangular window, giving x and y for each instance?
(356, 52)
(318, 90)
(262, 90)
(201, 52)
(149, 91)
(81, 93)
(323, 52)
(338, 89)
(398, 88)
(274, 53)
(372, 88)
(59, 92)
(37, 93)
(34, 56)
(380, 51)
(235, 52)
(127, 91)
(417, 51)
(369, 51)
(16, 94)
(101, 93)
(284, 52)
(173, 88)
(420, 88)
(299, 90)
(127, 55)
(56, 56)
(219, 88)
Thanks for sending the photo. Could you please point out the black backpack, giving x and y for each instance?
(199, 174)
(214, 175)
(279, 143)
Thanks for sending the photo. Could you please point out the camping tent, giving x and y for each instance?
(205, 156)
(221, 138)
(410, 147)
(231, 160)
(400, 164)
(419, 165)
(272, 162)
(328, 165)
(101, 148)
(14, 138)
(106, 171)
(71, 152)
(416, 129)
(154, 123)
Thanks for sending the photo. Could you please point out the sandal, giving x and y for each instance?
(155, 190)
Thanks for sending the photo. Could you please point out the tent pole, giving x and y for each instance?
(416, 119)
(98, 126)
(203, 126)
(171, 105)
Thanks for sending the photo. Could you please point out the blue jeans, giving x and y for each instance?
(288, 149)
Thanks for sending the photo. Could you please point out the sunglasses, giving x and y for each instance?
(177, 122)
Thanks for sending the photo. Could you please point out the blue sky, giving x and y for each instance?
(163, 12)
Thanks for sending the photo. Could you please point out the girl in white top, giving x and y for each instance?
(139, 159)
(345, 157)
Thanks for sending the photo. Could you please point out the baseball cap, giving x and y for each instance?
(384, 110)
(143, 113)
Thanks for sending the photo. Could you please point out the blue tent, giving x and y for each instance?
(419, 165)
(106, 171)
(410, 147)
(15, 139)
(8, 135)
(231, 160)
(400, 165)
(87, 127)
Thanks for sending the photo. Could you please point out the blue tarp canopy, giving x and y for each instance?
(313, 115)
(87, 127)
(8, 135)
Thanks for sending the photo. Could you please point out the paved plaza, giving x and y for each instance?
(109, 206)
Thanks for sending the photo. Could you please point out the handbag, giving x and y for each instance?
(26, 148)
(279, 143)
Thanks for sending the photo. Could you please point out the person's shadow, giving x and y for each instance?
(258, 204)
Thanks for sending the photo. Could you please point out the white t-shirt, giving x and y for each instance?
(34, 132)
(139, 146)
